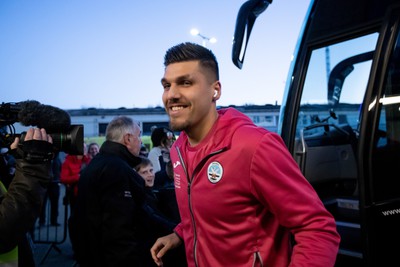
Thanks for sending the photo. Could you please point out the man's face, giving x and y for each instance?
(133, 141)
(188, 94)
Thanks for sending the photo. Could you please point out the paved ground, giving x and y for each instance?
(48, 255)
(51, 245)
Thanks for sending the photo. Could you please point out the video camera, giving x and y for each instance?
(66, 137)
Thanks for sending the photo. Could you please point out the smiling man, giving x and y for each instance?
(241, 195)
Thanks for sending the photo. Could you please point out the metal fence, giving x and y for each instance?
(52, 234)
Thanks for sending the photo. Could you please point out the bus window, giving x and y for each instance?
(315, 104)
(386, 155)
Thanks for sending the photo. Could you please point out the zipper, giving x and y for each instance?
(190, 180)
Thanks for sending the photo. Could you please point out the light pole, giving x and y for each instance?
(212, 40)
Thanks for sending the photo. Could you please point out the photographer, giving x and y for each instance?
(20, 203)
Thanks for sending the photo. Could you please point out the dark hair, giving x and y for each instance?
(93, 144)
(192, 52)
(159, 136)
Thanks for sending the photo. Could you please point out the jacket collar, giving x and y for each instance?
(114, 148)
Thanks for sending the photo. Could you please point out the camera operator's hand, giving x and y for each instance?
(36, 147)
(33, 133)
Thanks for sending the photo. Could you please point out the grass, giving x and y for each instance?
(100, 140)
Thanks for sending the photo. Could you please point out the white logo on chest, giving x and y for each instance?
(214, 172)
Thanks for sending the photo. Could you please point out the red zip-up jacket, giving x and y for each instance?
(244, 197)
(71, 169)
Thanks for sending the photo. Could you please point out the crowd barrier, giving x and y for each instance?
(53, 235)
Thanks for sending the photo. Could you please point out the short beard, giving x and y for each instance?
(178, 127)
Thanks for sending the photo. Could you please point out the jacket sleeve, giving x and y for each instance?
(21, 204)
(158, 218)
(179, 231)
(294, 202)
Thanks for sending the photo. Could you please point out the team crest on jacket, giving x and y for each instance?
(214, 172)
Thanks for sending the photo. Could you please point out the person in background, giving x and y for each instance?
(242, 198)
(144, 152)
(162, 139)
(93, 149)
(146, 170)
(177, 257)
(53, 193)
(71, 171)
(21, 202)
(108, 224)
(166, 195)
(7, 165)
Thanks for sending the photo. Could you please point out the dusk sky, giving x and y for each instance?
(109, 54)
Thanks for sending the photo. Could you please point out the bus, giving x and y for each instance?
(340, 117)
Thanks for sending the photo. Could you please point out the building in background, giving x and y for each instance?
(96, 120)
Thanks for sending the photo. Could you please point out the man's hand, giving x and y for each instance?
(162, 245)
(36, 148)
(33, 134)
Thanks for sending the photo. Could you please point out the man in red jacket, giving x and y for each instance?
(241, 195)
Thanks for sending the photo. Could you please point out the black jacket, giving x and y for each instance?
(21, 204)
(107, 226)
